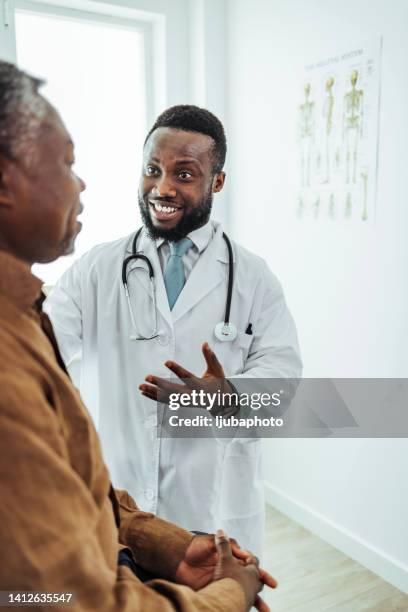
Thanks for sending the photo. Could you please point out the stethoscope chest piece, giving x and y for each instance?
(225, 332)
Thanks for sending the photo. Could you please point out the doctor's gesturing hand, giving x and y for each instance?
(212, 382)
(210, 558)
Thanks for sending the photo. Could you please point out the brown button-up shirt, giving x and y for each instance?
(57, 522)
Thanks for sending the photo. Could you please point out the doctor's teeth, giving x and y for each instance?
(166, 209)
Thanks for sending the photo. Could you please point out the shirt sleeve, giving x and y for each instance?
(49, 521)
(157, 545)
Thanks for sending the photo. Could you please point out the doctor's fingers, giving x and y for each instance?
(187, 377)
(166, 385)
(213, 365)
(153, 393)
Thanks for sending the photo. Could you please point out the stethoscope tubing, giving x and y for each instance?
(230, 279)
(137, 255)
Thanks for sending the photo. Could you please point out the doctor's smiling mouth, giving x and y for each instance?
(163, 210)
(177, 183)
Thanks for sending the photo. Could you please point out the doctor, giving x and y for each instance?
(121, 318)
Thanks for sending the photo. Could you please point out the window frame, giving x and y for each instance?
(151, 25)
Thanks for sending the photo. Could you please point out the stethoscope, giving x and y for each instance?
(225, 331)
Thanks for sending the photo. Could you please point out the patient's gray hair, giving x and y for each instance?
(22, 111)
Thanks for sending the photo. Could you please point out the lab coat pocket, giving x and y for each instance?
(245, 341)
(230, 356)
(242, 484)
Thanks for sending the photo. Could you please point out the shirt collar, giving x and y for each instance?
(17, 283)
(199, 237)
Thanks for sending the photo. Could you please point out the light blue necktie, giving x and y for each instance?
(174, 276)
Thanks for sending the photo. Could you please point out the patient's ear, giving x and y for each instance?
(7, 182)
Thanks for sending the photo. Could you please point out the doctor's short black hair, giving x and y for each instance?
(22, 111)
(192, 118)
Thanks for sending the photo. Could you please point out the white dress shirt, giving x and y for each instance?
(200, 238)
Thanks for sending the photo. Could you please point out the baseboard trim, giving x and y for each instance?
(373, 559)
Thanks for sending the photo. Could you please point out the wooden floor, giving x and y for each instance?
(314, 577)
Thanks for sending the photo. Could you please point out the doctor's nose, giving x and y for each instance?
(164, 188)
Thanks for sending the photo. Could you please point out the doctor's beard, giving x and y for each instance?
(188, 222)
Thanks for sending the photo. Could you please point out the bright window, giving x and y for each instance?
(96, 78)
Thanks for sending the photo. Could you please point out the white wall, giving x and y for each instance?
(346, 285)
(208, 72)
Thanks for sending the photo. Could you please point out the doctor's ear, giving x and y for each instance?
(218, 182)
(7, 172)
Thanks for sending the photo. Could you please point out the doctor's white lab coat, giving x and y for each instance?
(200, 484)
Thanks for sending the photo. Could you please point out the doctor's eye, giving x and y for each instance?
(151, 171)
(184, 175)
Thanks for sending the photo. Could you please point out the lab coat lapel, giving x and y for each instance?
(210, 270)
(147, 247)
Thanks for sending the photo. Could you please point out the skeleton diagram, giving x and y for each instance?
(364, 176)
(349, 207)
(306, 133)
(328, 115)
(352, 125)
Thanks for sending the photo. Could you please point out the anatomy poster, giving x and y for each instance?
(337, 133)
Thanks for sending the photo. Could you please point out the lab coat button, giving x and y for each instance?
(149, 494)
(163, 340)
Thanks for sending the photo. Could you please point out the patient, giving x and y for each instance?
(63, 529)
